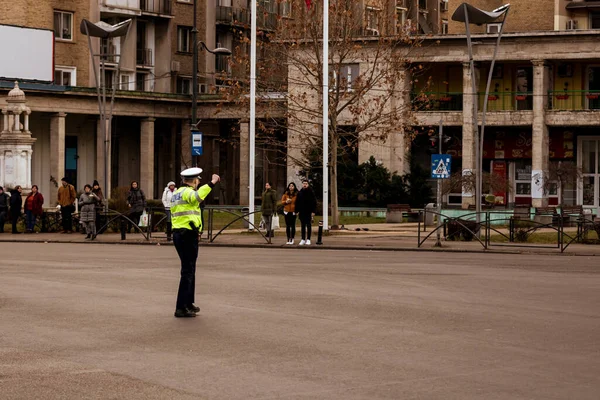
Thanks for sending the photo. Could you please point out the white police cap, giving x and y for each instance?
(191, 173)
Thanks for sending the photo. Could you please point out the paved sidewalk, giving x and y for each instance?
(381, 237)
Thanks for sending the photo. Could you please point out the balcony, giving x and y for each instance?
(156, 6)
(507, 101)
(565, 100)
(241, 17)
(437, 101)
(144, 57)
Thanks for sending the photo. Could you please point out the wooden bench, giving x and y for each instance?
(396, 212)
(546, 215)
(571, 215)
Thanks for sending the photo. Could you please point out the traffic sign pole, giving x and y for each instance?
(438, 242)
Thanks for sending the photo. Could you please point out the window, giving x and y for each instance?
(444, 27)
(65, 76)
(595, 20)
(401, 19)
(109, 78)
(125, 82)
(423, 4)
(493, 28)
(372, 20)
(184, 85)
(141, 79)
(347, 79)
(285, 9)
(184, 35)
(63, 25)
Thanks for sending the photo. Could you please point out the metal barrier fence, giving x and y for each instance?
(520, 229)
(237, 213)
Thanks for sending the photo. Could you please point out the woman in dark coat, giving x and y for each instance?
(306, 207)
(33, 208)
(87, 214)
(100, 220)
(16, 203)
(136, 200)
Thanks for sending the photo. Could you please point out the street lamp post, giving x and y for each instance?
(217, 51)
(472, 15)
(102, 30)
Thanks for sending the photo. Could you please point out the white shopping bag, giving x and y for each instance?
(143, 220)
(275, 222)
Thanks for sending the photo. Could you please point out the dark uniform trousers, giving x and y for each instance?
(186, 244)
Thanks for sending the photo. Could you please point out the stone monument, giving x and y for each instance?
(16, 143)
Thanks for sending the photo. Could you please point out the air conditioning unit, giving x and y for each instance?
(444, 5)
(175, 66)
(203, 88)
(371, 32)
(571, 24)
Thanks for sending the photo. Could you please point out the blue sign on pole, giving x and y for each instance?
(441, 166)
(196, 143)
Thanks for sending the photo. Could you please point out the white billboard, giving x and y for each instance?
(26, 53)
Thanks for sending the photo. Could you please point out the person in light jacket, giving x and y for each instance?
(87, 214)
(166, 200)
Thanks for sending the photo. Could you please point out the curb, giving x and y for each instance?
(312, 248)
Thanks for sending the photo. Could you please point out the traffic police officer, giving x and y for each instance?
(186, 218)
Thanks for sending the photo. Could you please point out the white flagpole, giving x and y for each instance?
(252, 133)
(326, 115)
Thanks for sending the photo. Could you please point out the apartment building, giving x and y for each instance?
(150, 132)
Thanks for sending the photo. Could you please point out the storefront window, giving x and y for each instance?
(588, 191)
(589, 156)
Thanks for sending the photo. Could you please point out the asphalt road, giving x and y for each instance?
(96, 322)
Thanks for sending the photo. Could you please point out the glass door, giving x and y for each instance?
(587, 160)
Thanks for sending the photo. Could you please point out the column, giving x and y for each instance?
(57, 153)
(540, 136)
(147, 157)
(244, 162)
(468, 140)
(101, 141)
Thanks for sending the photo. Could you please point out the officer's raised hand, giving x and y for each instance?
(215, 179)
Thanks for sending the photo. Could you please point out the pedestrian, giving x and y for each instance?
(166, 200)
(33, 208)
(66, 200)
(100, 220)
(289, 211)
(87, 212)
(187, 223)
(4, 204)
(16, 203)
(306, 207)
(136, 201)
(268, 208)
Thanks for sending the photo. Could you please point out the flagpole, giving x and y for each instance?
(326, 115)
(252, 133)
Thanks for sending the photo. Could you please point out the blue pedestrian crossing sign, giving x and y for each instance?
(196, 143)
(441, 166)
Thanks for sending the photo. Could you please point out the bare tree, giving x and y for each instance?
(369, 85)
(561, 174)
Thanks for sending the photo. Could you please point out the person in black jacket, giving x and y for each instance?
(4, 202)
(16, 203)
(306, 207)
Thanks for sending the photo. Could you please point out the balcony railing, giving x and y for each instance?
(437, 101)
(574, 100)
(144, 57)
(156, 6)
(507, 101)
(241, 16)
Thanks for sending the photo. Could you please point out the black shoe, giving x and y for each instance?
(193, 308)
(184, 313)
(89, 236)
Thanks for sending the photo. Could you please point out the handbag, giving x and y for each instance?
(143, 220)
(274, 222)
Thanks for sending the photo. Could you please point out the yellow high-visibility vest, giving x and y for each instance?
(185, 207)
